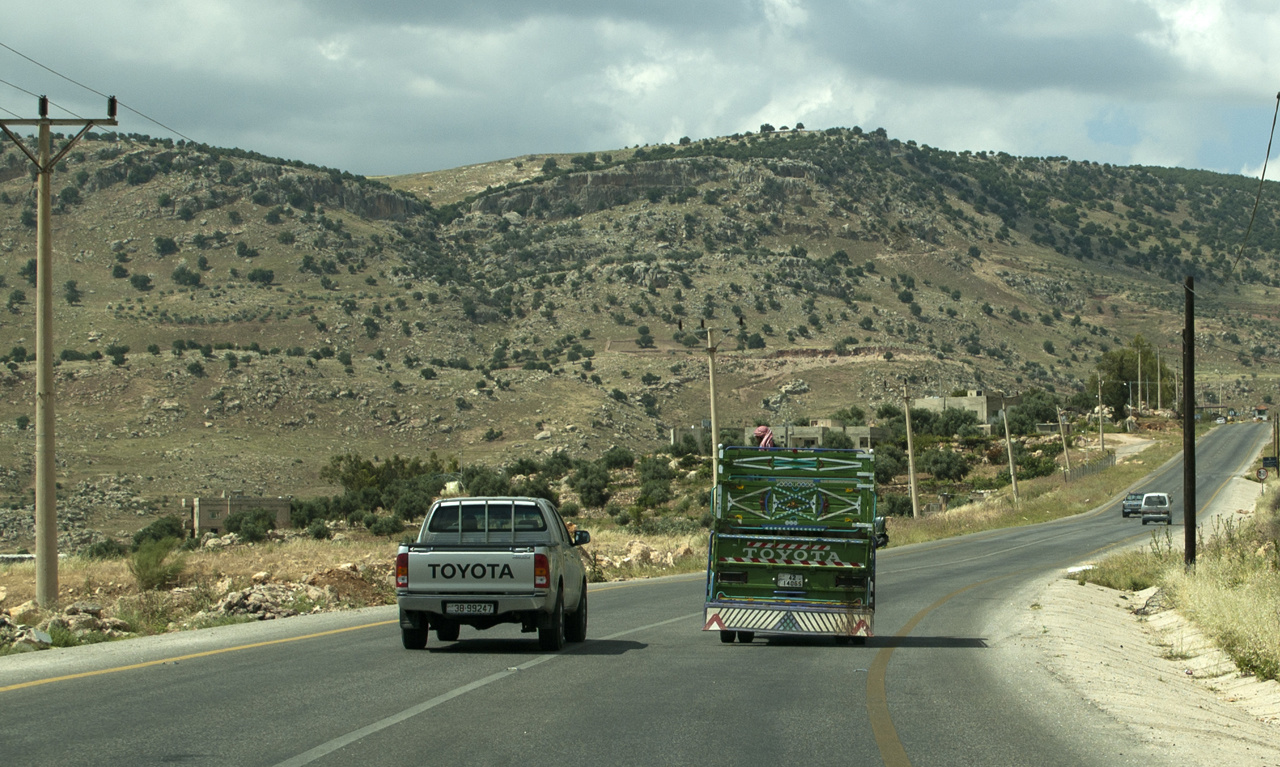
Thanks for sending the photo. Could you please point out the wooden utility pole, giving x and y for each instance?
(911, 456)
(1008, 443)
(1062, 430)
(1102, 444)
(715, 422)
(1139, 379)
(46, 512)
(1189, 426)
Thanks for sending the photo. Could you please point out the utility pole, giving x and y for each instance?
(46, 512)
(1102, 444)
(1139, 379)
(1159, 401)
(1062, 430)
(1008, 443)
(911, 456)
(715, 422)
(1189, 427)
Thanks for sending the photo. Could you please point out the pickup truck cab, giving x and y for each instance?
(1156, 507)
(483, 561)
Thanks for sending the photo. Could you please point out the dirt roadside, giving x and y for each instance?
(1154, 674)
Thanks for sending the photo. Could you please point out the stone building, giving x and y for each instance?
(988, 407)
(209, 514)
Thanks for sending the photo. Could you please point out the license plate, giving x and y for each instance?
(469, 608)
(790, 581)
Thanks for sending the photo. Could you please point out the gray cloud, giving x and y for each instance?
(396, 87)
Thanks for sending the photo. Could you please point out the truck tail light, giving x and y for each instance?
(402, 570)
(541, 571)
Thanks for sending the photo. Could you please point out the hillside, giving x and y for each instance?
(277, 314)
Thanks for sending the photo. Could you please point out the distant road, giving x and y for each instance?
(941, 684)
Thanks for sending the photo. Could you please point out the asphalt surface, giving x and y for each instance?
(938, 685)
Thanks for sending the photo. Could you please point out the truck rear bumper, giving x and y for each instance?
(435, 604)
(792, 619)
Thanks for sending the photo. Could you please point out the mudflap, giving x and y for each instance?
(789, 619)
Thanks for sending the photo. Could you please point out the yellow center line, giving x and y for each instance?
(886, 735)
(175, 659)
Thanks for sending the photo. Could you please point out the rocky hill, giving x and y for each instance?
(228, 322)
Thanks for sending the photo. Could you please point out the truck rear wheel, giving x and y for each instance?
(413, 639)
(447, 632)
(551, 627)
(576, 628)
(745, 637)
(728, 636)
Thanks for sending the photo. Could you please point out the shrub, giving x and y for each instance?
(319, 530)
(251, 524)
(108, 548)
(140, 282)
(184, 276)
(618, 457)
(165, 527)
(151, 566)
(261, 276)
(387, 525)
(166, 246)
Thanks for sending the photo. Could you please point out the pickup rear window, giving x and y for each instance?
(487, 517)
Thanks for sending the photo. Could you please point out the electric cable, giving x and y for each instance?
(73, 81)
(1262, 178)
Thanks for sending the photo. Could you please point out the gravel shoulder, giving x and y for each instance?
(1149, 669)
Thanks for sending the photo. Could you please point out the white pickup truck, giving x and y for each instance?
(483, 561)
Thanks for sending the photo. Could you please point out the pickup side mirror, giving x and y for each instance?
(581, 537)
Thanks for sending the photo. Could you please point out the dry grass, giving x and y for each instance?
(207, 575)
(1042, 499)
(1231, 594)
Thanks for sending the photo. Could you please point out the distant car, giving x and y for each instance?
(1132, 504)
(1221, 419)
(1156, 507)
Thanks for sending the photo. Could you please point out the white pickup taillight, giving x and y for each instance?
(402, 570)
(541, 571)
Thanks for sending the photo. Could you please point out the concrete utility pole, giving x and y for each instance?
(911, 455)
(46, 513)
(1008, 443)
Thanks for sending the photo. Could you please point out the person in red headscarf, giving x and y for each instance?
(764, 437)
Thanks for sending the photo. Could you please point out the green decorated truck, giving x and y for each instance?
(793, 544)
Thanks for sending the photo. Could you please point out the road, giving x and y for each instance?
(941, 684)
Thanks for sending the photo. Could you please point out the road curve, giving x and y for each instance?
(939, 685)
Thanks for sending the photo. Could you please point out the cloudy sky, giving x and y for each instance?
(400, 86)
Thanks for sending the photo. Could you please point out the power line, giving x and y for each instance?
(29, 93)
(73, 81)
(1262, 177)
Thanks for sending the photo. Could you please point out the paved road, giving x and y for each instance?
(940, 685)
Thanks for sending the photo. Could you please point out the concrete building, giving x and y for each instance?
(818, 434)
(988, 407)
(209, 514)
